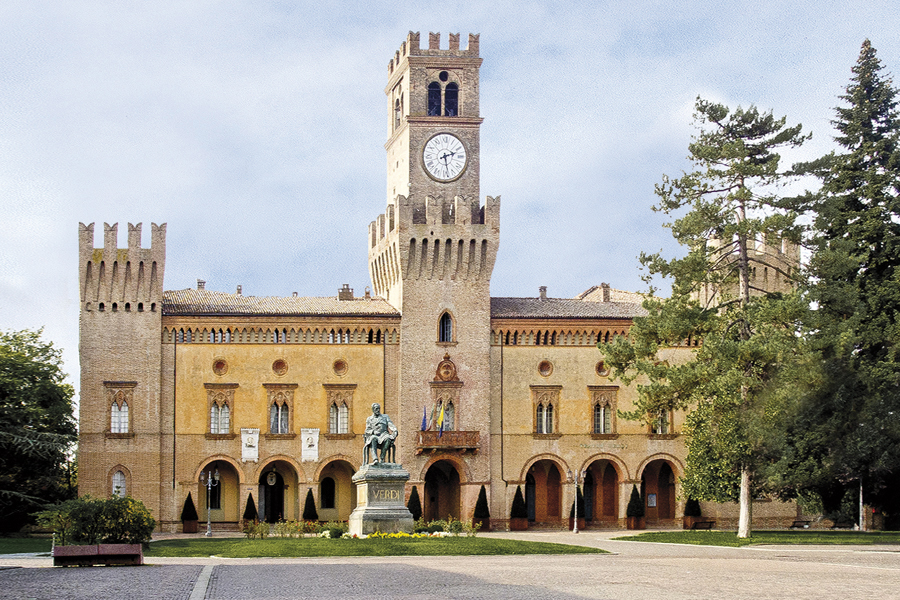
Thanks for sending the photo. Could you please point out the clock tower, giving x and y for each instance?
(431, 255)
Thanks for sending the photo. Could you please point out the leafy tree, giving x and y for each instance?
(415, 504)
(849, 426)
(37, 429)
(309, 507)
(739, 335)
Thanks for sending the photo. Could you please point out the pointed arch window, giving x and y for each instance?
(546, 405)
(118, 484)
(434, 99)
(119, 414)
(281, 400)
(445, 328)
(219, 418)
(603, 400)
(338, 418)
(451, 100)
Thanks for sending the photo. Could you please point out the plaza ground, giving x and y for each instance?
(634, 570)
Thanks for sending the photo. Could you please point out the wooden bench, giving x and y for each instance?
(702, 525)
(98, 554)
(843, 525)
(800, 524)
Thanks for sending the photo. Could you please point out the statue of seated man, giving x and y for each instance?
(380, 434)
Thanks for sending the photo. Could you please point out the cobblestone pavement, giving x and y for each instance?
(635, 571)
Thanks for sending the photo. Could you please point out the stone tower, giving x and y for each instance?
(121, 364)
(432, 252)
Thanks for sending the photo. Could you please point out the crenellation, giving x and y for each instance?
(110, 238)
(454, 41)
(434, 41)
(134, 236)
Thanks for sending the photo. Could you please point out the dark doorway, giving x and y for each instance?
(441, 491)
(271, 493)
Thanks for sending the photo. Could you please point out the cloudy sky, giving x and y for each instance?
(256, 130)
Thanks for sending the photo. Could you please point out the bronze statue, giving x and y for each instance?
(380, 435)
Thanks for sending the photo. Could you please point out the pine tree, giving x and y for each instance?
(745, 334)
(849, 428)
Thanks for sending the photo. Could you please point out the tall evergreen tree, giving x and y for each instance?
(726, 206)
(850, 427)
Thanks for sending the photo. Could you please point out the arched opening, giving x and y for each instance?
(278, 493)
(337, 494)
(543, 491)
(451, 100)
(434, 99)
(445, 328)
(222, 497)
(601, 493)
(441, 491)
(658, 490)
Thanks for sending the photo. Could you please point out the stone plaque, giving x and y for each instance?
(250, 445)
(310, 449)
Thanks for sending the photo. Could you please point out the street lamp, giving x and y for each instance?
(210, 480)
(575, 479)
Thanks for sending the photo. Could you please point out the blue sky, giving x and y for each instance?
(256, 130)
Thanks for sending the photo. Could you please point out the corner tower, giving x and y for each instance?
(432, 252)
(124, 426)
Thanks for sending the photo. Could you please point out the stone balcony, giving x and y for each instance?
(458, 441)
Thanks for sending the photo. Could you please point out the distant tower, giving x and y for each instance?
(432, 253)
(121, 417)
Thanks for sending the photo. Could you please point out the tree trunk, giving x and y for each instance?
(746, 507)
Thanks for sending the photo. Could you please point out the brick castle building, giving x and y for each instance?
(273, 392)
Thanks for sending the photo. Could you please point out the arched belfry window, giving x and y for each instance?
(445, 330)
(451, 100)
(397, 113)
(434, 99)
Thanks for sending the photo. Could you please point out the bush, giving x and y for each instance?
(309, 508)
(579, 498)
(189, 512)
(481, 505)
(255, 529)
(518, 509)
(415, 505)
(691, 508)
(89, 520)
(635, 504)
(250, 513)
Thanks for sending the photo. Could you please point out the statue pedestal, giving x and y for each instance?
(379, 500)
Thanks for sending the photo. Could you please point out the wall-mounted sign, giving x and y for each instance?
(651, 500)
(310, 445)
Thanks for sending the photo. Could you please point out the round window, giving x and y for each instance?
(545, 368)
(280, 367)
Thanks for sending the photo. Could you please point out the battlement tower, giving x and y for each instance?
(432, 252)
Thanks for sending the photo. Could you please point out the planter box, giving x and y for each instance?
(635, 523)
(189, 526)
(572, 523)
(517, 524)
(688, 522)
(100, 554)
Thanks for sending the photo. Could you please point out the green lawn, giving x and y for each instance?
(729, 538)
(24, 544)
(297, 547)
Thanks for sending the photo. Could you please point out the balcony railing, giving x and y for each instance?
(462, 441)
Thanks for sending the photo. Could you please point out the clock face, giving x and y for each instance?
(444, 157)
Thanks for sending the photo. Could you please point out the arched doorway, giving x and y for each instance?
(278, 498)
(601, 493)
(337, 495)
(658, 490)
(543, 492)
(223, 497)
(441, 491)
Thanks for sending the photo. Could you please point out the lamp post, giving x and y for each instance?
(575, 479)
(210, 479)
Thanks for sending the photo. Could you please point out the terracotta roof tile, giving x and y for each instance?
(562, 308)
(208, 302)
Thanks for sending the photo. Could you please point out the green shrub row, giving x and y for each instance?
(88, 520)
